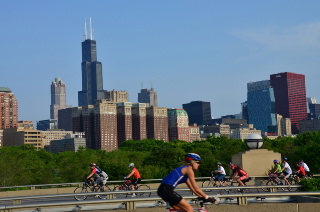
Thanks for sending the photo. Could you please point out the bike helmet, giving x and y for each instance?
(192, 156)
(276, 161)
(219, 163)
(300, 160)
(93, 164)
(286, 159)
(131, 165)
(231, 165)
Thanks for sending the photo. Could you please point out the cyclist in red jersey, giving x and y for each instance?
(136, 177)
(239, 174)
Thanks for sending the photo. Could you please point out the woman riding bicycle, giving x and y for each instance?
(183, 174)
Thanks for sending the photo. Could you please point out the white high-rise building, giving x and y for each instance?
(58, 98)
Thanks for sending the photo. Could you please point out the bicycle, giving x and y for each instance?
(269, 182)
(213, 183)
(200, 200)
(88, 187)
(126, 186)
(237, 184)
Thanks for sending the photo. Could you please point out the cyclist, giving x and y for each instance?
(136, 178)
(221, 173)
(306, 168)
(95, 177)
(239, 174)
(301, 173)
(286, 170)
(183, 174)
(275, 171)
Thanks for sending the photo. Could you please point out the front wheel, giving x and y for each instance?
(207, 184)
(144, 194)
(121, 195)
(104, 188)
(80, 190)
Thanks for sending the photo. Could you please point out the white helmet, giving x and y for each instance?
(131, 165)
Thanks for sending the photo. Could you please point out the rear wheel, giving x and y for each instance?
(207, 184)
(271, 183)
(80, 190)
(265, 183)
(292, 182)
(144, 194)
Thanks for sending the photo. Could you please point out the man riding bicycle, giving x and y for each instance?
(136, 177)
(221, 173)
(239, 174)
(286, 170)
(95, 176)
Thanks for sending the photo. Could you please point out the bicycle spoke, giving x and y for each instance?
(80, 190)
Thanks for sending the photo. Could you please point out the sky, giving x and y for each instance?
(187, 50)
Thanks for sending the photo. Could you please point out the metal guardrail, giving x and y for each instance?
(130, 203)
(32, 187)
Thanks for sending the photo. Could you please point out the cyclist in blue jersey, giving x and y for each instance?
(183, 174)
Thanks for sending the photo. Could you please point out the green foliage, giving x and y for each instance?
(154, 159)
(312, 184)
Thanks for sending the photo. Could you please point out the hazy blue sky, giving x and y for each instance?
(187, 49)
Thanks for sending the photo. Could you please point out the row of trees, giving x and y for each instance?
(24, 165)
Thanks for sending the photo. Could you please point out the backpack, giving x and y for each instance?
(102, 174)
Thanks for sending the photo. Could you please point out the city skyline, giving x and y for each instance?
(187, 51)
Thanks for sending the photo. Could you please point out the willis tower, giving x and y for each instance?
(92, 82)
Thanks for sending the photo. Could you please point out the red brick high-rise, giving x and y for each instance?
(8, 109)
(157, 123)
(290, 97)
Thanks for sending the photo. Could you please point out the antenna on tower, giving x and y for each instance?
(151, 84)
(91, 33)
(85, 29)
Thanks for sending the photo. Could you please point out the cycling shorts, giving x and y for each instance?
(244, 177)
(135, 182)
(167, 193)
(286, 174)
(219, 177)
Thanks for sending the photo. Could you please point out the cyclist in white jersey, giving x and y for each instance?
(286, 170)
(306, 167)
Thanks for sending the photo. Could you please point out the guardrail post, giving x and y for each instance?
(242, 200)
(110, 196)
(17, 201)
(272, 190)
(130, 205)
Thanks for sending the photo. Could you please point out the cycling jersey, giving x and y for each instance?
(305, 166)
(287, 168)
(136, 174)
(175, 177)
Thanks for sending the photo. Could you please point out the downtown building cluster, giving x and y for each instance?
(104, 119)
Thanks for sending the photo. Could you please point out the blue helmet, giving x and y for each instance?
(276, 161)
(192, 156)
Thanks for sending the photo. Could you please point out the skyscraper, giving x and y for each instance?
(290, 97)
(58, 98)
(178, 123)
(8, 109)
(199, 112)
(148, 96)
(92, 82)
(261, 106)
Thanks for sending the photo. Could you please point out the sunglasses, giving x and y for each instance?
(198, 162)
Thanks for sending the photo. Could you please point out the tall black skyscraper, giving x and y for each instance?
(92, 82)
(199, 112)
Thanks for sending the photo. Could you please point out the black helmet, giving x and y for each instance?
(219, 163)
(286, 159)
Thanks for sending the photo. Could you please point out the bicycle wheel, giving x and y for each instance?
(293, 182)
(80, 190)
(207, 184)
(270, 183)
(122, 195)
(104, 188)
(144, 194)
(264, 183)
